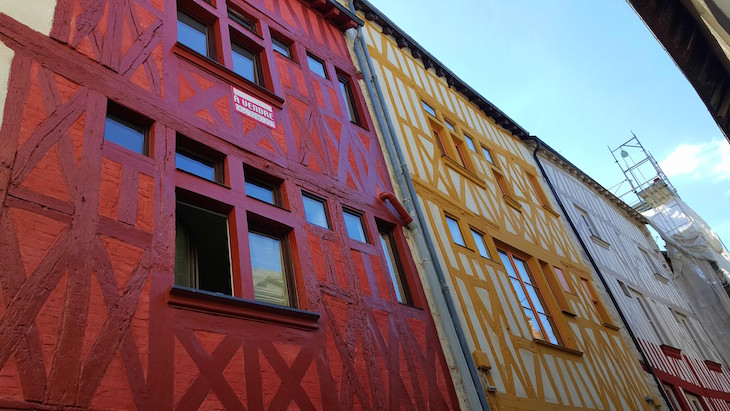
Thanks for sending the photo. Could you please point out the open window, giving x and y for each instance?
(202, 250)
(394, 264)
(349, 98)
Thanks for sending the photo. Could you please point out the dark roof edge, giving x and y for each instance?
(429, 61)
(336, 13)
(568, 166)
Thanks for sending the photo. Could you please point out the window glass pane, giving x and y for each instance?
(244, 63)
(267, 264)
(547, 324)
(428, 109)
(260, 192)
(450, 126)
(488, 155)
(455, 231)
(561, 278)
(349, 102)
(244, 21)
(280, 47)
(125, 134)
(507, 264)
(315, 211)
(532, 323)
(316, 66)
(532, 293)
(521, 296)
(353, 223)
(470, 143)
(481, 246)
(390, 261)
(193, 165)
(523, 270)
(202, 258)
(192, 33)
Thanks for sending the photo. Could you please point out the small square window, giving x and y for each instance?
(245, 21)
(199, 160)
(202, 258)
(470, 143)
(487, 154)
(316, 65)
(353, 223)
(315, 209)
(280, 47)
(428, 108)
(449, 125)
(393, 262)
(269, 262)
(124, 128)
(195, 35)
(455, 231)
(481, 244)
(347, 95)
(246, 63)
(262, 186)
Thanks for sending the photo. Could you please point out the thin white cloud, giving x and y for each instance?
(709, 160)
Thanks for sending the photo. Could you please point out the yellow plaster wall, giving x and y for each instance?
(526, 374)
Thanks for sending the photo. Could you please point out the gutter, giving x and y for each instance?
(538, 147)
(424, 242)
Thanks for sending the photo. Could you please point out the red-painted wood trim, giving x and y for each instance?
(407, 219)
(224, 73)
(713, 366)
(199, 300)
(672, 352)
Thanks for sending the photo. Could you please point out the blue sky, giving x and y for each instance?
(581, 75)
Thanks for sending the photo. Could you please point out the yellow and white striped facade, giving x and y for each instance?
(594, 368)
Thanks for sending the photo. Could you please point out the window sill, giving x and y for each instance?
(512, 203)
(463, 171)
(211, 303)
(600, 242)
(551, 211)
(558, 347)
(224, 73)
(611, 326)
(202, 178)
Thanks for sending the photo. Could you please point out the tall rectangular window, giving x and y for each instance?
(269, 262)
(440, 141)
(481, 245)
(541, 198)
(349, 99)
(649, 314)
(315, 210)
(562, 280)
(202, 253)
(540, 321)
(502, 183)
(393, 263)
(246, 63)
(354, 226)
(122, 128)
(195, 35)
(316, 65)
(455, 231)
(691, 331)
(587, 222)
(470, 143)
(487, 154)
(603, 315)
(462, 155)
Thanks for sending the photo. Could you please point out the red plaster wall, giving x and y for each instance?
(87, 228)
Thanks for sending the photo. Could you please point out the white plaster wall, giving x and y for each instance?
(36, 14)
(6, 58)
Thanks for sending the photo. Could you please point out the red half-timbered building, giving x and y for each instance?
(164, 245)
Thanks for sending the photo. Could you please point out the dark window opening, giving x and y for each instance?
(393, 263)
(349, 98)
(202, 254)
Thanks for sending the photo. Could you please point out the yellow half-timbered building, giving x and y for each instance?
(540, 330)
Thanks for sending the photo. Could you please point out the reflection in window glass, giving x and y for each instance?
(267, 264)
(193, 34)
(391, 260)
(455, 231)
(260, 192)
(488, 155)
(280, 47)
(353, 223)
(481, 246)
(316, 65)
(315, 211)
(124, 133)
(428, 109)
(193, 165)
(244, 63)
(450, 126)
(470, 143)
(541, 323)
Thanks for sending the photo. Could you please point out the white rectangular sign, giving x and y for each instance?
(253, 107)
